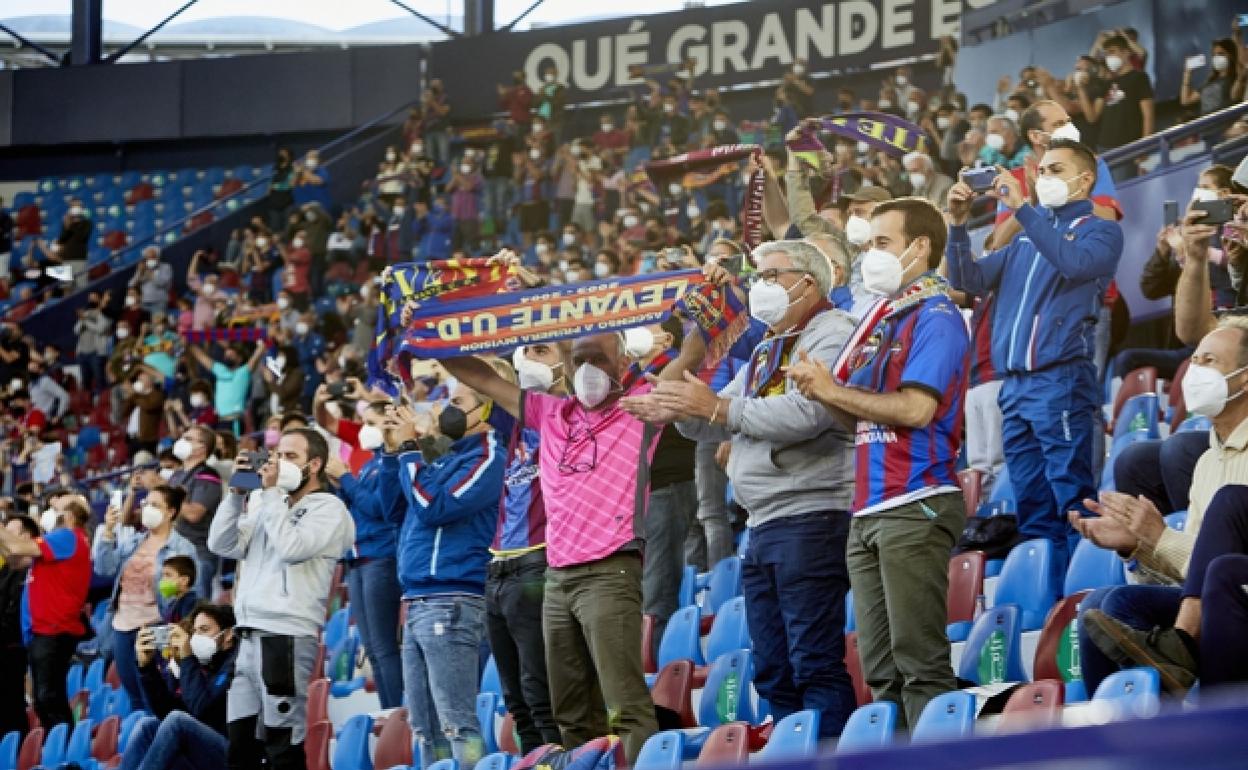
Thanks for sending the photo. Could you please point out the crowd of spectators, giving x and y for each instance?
(510, 501)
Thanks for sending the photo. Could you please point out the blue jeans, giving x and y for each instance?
(180, 742)
(1048, 426)
(440, 676)
(375, 596)
(1138, 606)
(667, 522)
(795, 578)
(128, 666)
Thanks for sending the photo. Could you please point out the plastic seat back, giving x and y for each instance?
(673, 690)
(1035, 704)
(730, 631)
(966, 583)
(851, 621)
(972, 483)
(869, 727)
(78, 749)
(726, 696)
(318, 700)
(1057, 651)
(127, 727)
(394, 742)
(104, 744)
(687, 594)
(946, 717)
(1134, 692)
(73, 679)
(32, 749)
(662, 751)
(8, 749)
(489, 678)
(853, 664)
(1141, 412)
(441, 764)
(724, 584)
(351, 752)
(54, 746)
(797, 735)
(1027, 580)
(728, 744)
(1177, 520)
(316, 745)
(649, 663)
(336, 628)
(682, 638)
(498, 761)
(94, 678)
(992, 653)
(1093, 567)
(1134, 383)
(489, 707)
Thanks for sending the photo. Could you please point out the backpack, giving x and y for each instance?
(599, 754)
(994, 535)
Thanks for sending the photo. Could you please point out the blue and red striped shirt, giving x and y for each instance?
(982, 369)
(926, 347)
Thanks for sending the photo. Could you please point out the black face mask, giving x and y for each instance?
(453, 421)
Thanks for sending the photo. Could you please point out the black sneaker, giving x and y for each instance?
(1160, 648)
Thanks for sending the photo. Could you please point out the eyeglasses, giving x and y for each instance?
(772, 275)
(567, 463)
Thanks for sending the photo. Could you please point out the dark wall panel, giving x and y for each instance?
(130, 102)
(6, 107)
(383, 78)
(248, 94)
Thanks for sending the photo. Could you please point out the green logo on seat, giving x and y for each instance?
(992, 659)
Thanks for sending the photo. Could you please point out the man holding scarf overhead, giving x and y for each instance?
(791, 469)
(900, 383)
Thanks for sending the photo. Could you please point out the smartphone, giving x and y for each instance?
(1195, 62)
(1243, 20)
(337, 389)
(1170, 212)
(1216, 212)
(118, 497)
(980, 179)
(248, 479)
(160, 636)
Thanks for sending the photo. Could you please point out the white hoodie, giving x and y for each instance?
(286, 557)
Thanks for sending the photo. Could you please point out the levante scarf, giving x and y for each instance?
(926, 286)
(675, 168)
(895, 136)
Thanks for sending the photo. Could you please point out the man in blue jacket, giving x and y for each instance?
(447, 525)
(1049, 281)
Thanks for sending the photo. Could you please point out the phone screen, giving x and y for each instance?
(1170, 212)
(1196, 62)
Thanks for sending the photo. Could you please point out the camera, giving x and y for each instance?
(979, 179)
(337, 389)
(1217, 212)
(160, 636)
(248, 479)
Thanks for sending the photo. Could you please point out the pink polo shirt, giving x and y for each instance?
(590, 464)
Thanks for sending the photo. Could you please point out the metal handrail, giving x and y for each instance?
(136, 248)
(1162, 140)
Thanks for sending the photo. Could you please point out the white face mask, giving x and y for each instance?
(1113, 63)
(675, 190)
(289, 476)
(913, 108)
(918, 179)
(152, 263)
(601, 270)
(465, 168)
(166, 473)
(608, 128)
(198, 400)
(182, 448)
(140, 387)
(798, 69)
(1066, 131)
(535, 154)
(769, 302)
(885, 104)
(370, 437)
(312, 163)
(416, 150)
(1220, 62)
(549, 77)
(901, 81)
(390, 156)
(942, 122)
(1201, 195)
(534, 375)
(283, 302)
(75, 211)
(693, 212)
(638, 342)
(857, 230)
(1012, 114)
(1052, 191)
(863, 148)
(301, 328)
(882, 271)
(995, 141)
(569, 239)
(151, 517)
(122, 332)
(592, 385)
(203, 647)
(630, 222)
(1205, 390)
(262, 243)
(48, 519)
(131, 300)
(720, 125)
(669, 108)
(296, 243)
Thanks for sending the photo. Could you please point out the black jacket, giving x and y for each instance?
(200, 691)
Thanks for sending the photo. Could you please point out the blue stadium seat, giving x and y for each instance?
(730, 631)
(489, 707)
(993, 648)
(78, 749)
(73, 679)
(95, 676)
(1027, 580)
(686, 596)
(129, 179)
(489, 678)
(1195, 422)
(1140, 412)
(850, 623)
(497, 761)
(118, 704)
(127, 727)
(722, 583)
(1134, 692)
(1118, 444)
(744, 544)
(340, 666)
(9, 746)
(54, 745)
(869, 727)
(336, 628)
(1093, 567)
(793, 737)
(682, 638)
(1003, 493)
(662, 751)
(351, 753)
(23, 199)
(1177, 520)
(946, 717)
(727, 694)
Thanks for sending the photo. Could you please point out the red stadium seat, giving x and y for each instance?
(1056, 625)
(318, 698)
(673, 690)
(1142, 380)
(104, 744)
(1035, 704)
(966, 583)
(853, 662)
(972, 483)
(648, 663)
(32, 750)
(394, 742)
(727, 745)
(316, 745)
(507, 735)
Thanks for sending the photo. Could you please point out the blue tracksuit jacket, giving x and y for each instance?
(376, 535)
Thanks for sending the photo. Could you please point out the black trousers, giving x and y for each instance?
(13, 690)
(50, 657)
(513, 622)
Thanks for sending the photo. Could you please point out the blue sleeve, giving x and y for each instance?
(347, 484)
(441, 495)
(390, 490)
(975, 276)
(59, 544)
(1092, 253)
(1104, 182)
(201, 688)
(938, 350)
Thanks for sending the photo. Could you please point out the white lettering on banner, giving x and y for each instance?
(739, 47)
